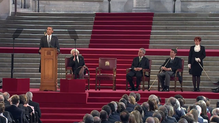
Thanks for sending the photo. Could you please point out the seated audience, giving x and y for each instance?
(95, 113)
(124, 117)
(88, 118)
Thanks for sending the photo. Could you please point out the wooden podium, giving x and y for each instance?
(48, 69)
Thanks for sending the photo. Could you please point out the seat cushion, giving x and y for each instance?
(105, 76)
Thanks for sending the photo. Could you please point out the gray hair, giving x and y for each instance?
(97, 120)
(199, 109)
(143, 50)
(29, 95)
(7, 95)
(115, 105)
(153, 97)
(74, 50)
(215, 111)
(1, 98)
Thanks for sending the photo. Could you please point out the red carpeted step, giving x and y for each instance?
(119, 36)
(79, 110)
(61, 120)
(133, 46)
(124, 14)
(120, 41)
(62, 116)
(123, 27)
(123, 22)
(125, 18)
(138, 32)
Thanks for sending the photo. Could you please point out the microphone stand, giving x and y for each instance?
(12, 61)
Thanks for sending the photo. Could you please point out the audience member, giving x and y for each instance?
(88, 118)
(104, 116)
(95, 113)
(124, 117)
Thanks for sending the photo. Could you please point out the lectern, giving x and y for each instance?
(48, 69)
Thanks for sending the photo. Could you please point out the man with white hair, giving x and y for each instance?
(215, 111)
(34, 104)
(77, 63)
(139, 63)
(199, 109)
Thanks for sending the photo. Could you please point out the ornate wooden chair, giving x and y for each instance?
(107, 65)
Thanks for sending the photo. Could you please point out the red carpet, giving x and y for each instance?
(57, 107)
(121, 30)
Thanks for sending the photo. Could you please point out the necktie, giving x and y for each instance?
(140, 59)
(48, 40)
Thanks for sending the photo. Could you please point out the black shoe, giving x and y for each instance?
(164, 89)
(131, 89)
(136, 89)
(167, 90)
(198, 90)
(194, 90)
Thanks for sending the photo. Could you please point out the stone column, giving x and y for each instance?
(4, 8)
(178, 6)
(141, 5)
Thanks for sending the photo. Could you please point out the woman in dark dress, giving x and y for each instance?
(196, 56)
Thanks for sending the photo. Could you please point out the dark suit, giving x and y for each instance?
(8, 116)
(105, 121)
(53, 44)
(144, 64)
(2, 119)
(164, 76)
(17, 113)
(130, 107)
(36, 108)
(75, 65)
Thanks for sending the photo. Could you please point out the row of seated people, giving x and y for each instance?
(19, 108)
(171, 69)
(128, 110)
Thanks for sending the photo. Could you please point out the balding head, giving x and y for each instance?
(7, 95)
(150, 120)
(215, 111)
(97, 119)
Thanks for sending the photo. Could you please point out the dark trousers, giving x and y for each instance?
(164, 78)
(129, 78)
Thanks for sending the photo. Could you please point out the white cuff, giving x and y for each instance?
(189, 65)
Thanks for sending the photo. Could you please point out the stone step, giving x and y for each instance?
(185, 37)
(76, 27)
(182, 32)
(156, 18)
(41, 31)
(187, 42)
(41, 22)
(60, 36)
(186, 23)
(170, 15)
(169, 46)
(57, 18)
(57, 14)
(178, 27)
(67, 45)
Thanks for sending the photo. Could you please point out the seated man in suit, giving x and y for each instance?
(3, 119)
(169, 68)
(17, 113)
(140, 62)
(77, 64)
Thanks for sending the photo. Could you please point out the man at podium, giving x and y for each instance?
(48, 41)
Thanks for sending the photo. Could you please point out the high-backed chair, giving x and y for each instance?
(69, 73)
(108, 65)
(146, 77)
(177, 77)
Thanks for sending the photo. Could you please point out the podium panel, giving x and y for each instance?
(48, 69)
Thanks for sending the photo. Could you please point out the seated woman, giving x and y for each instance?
(77, 64)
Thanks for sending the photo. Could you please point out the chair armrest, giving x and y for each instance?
(128, 69)
(178, 70)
